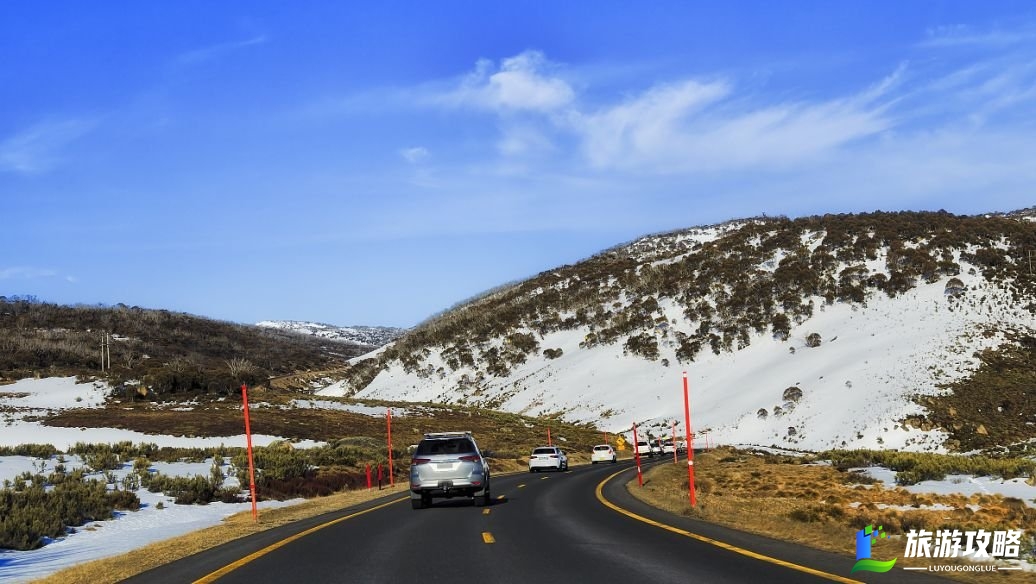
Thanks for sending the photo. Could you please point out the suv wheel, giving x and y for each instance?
(483, 499)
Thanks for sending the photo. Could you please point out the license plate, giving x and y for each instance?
(445, 485)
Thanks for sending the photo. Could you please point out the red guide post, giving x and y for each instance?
(690, 442)
(548, 436)
(368, 476)
(388, 418)
(675, 459)
(251, 463)
(636, 455)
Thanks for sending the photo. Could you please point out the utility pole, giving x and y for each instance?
(106, 353)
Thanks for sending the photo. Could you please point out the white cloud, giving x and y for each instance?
(25, 273)
(962, 35)
(695, 127)
(213, 51)
(36, 149)
(414, 155)
(522, 82)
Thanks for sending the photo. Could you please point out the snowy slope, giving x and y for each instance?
(857, 387)
(374, 336)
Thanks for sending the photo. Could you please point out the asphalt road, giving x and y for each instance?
(548, 527)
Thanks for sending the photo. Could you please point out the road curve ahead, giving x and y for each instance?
(548, 527)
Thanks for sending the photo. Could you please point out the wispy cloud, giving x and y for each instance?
(966, 36)
(415, 154)
(695, 127)
(38, 148)
(25, 273)
(214, 51)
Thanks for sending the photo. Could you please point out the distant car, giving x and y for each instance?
(643, 448)
(656, 448)
(602, 453)
(668, 447)
(446, 465)
(549, 458)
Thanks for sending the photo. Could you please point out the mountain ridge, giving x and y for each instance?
(917, 299)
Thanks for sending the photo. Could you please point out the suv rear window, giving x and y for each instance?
(544, 451)
(602, 447)
(445, 446)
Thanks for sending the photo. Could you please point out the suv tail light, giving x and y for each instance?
(470, 458)
(418, 461)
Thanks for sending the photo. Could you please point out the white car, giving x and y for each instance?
(602, 453)
(548, 458)
(643, 448)
(668, 447)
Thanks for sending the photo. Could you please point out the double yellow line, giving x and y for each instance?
(720, 544)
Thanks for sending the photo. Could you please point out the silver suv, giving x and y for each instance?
(446, 465)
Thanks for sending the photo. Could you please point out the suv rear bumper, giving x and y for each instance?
(447, 488)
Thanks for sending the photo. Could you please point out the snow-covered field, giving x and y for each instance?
(130, 530)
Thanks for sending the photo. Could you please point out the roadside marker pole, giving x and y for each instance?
(368, 476)
(690, 443)
(388, 418)
(636, 454)
(548, 436)
(675, 459)
(251, 463)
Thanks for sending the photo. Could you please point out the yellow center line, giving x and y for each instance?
(720, 544)
(521, 486)
(488, 537)
(544, 478)
(500, 497)
(258, 554)
(485, 511)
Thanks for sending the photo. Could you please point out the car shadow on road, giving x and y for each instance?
(466, 502)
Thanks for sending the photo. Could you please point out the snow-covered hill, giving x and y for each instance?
(373, 336)
(887, 337)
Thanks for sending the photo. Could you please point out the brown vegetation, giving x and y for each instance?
(820, 506)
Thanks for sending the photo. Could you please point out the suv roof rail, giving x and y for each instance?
(446, 434)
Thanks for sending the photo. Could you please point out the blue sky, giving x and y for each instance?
(378, 163)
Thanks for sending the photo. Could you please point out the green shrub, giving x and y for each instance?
(29, 511)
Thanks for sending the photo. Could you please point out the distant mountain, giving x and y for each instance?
(373, 336)
(912, 330)
(166, 353)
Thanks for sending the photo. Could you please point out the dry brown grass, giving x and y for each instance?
(820, 507)
(501, 432)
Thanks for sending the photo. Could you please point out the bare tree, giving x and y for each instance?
(239, 366)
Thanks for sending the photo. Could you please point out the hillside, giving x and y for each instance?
(155, 352)
(904, 330)
(369, 336)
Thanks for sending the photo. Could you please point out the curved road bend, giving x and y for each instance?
(547, 528)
